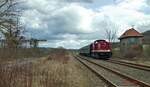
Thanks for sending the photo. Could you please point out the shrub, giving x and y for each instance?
(147, 51)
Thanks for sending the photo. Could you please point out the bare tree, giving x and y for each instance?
(110, 29)
(10, 26)
(111, 33)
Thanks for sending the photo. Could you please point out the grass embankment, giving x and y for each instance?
(57, 70)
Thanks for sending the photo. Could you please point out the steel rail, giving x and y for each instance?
(138, 66)
(109, 83)
(136, 81)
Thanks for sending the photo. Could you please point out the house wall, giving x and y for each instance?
(131, 46)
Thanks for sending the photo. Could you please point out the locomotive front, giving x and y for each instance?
(100, 49)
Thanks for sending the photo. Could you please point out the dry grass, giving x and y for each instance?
(19, 53)
(60, 55)
(56, 70)
(15, 75)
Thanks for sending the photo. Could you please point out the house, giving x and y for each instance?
(131, 43)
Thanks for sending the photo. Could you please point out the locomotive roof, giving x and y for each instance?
(130, 33)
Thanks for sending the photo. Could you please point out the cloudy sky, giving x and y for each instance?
(76, 23)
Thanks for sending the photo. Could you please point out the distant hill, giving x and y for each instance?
(146, 37)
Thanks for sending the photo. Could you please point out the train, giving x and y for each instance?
(100, 49)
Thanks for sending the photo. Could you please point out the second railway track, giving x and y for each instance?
(113, 78)
(138, 66)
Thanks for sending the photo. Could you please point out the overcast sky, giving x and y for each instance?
(76, 23)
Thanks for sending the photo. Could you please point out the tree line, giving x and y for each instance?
(10, 27)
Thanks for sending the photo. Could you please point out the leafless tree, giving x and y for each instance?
(10, 27)
(111, 33)
(110, 29)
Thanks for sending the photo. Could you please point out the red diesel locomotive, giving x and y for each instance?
(98, 49)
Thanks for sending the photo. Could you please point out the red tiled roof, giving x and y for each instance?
(131, 33)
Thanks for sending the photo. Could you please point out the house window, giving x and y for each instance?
(133, 40)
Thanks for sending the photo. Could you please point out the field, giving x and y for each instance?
(58, 69)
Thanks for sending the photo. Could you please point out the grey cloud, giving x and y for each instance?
(144, 26)
(63, 24)
(148, 2)
(59, 24)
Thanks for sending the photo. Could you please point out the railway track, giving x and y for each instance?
(111, 77)
(133, 65)
(138, 66)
